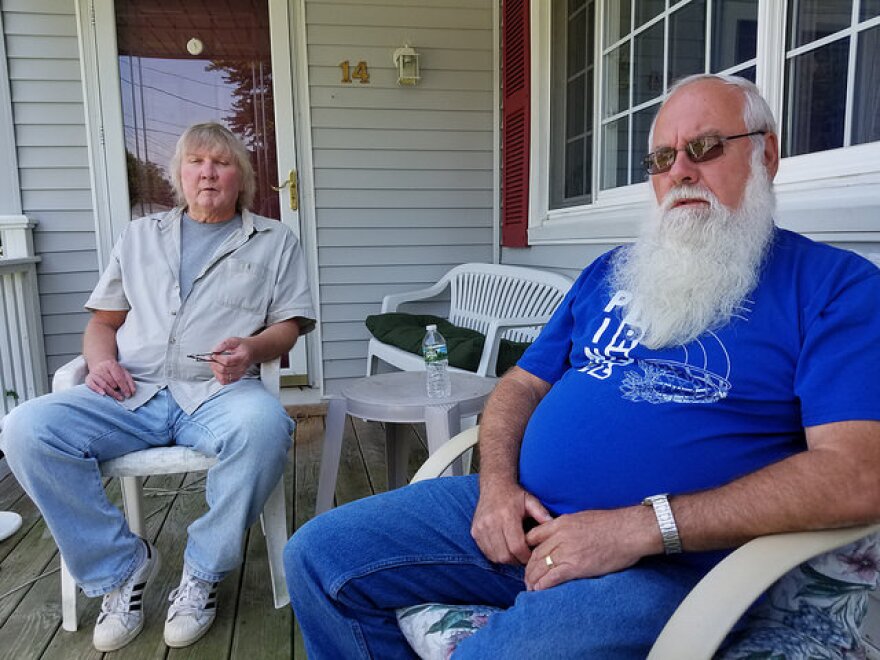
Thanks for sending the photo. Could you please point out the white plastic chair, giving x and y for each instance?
(498, 301)
(132, 468)
(716, 603)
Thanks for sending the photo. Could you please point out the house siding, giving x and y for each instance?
(47, 109)
(403, 176)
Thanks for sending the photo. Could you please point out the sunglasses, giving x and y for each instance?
(698, 150)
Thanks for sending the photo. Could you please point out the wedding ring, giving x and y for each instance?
(549, 561)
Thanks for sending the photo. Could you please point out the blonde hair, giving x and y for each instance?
(214, 136)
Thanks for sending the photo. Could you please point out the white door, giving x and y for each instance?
(162, 66)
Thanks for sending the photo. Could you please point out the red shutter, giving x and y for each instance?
(515, 72)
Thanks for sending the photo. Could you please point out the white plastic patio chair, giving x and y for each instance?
(132, 468)
(707, 615)
(508, 302)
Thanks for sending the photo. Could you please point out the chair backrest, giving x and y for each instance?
(480, 293)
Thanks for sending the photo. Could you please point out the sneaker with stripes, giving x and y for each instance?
(192, 611)
(122, 615)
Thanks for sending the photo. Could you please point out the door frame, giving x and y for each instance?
(105, 136)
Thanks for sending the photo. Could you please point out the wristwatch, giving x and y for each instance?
(666, 521)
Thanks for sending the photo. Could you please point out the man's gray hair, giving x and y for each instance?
(215, 137)
(757, 114)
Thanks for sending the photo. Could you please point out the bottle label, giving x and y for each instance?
(435, 353)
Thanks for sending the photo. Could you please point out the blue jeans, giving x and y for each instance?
(349, 569)
(54, 444)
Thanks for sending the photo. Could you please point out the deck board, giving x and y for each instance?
(247, 626)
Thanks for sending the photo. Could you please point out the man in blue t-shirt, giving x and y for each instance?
(711, 383)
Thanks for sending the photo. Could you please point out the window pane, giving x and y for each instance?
(574, 107)
(687, 41)
(577, 46)
(165, 89)
(866, 118)
(748, 74)
(816, 99)
(869, 9)
(641, 127)
(734, 32)
(571, 103)
(810, 20)
(617, 20)
(647, 9)
(648, 73)
(617, 80)
(615, 150)
(575, 158)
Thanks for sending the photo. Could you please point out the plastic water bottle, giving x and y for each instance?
(436, 364)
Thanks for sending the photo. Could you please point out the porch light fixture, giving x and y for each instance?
(407, 61)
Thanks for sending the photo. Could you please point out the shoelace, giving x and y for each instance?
(117, 602)
(190, 597)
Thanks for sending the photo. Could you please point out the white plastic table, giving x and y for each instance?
(397, 398)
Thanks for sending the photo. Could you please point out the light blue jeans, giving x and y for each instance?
(349, 569)
(54, 443)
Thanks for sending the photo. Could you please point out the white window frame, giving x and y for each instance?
(831, 195)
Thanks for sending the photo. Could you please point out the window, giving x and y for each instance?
(832, 75)
(571, 171)
(600, 69)
(645, 46)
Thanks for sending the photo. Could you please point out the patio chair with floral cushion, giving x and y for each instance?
(811, 590)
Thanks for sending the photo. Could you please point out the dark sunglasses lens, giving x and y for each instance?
(704, 148)
(659, 161)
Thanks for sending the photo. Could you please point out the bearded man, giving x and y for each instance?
(714, 382)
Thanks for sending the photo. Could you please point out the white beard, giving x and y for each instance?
(692, 267)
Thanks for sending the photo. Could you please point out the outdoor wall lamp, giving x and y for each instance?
(407, 61)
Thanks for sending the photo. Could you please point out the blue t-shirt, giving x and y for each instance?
(622, 421)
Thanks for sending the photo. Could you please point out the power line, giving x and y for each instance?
(176, 96)
(181, 76)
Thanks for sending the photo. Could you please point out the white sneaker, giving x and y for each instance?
(122, 615)
(192, 611)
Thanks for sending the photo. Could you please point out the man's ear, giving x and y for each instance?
(771, 154)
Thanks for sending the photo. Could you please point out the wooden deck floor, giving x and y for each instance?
(247, 627)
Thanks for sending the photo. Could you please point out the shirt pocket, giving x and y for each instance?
(244, 285)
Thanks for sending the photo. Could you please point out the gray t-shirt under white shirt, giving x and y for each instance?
(198, 243)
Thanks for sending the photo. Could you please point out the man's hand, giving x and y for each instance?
(498, 522)
(231, 360)
(110, 378)
(590, 544)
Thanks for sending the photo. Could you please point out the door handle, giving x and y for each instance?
(294, 192)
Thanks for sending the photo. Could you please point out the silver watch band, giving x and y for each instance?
(666, 521)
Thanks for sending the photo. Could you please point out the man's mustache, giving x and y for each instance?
(688, 191)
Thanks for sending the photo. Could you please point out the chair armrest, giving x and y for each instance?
(489, 358)
(70, 374)
(446, 454)
(711, 609)
(270, 374)
(391, 302)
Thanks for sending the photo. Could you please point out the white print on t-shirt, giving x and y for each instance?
(661, 381)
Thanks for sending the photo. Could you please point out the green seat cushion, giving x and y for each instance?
(464, 346)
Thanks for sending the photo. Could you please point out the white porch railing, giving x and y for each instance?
(22, 357)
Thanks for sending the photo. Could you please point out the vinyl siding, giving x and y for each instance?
(403, 176)
(49, 119)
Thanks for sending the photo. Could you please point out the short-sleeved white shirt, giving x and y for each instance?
(256, 278)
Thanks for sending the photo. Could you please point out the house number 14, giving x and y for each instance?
(360, 72)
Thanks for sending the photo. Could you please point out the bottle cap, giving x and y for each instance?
(430, 327)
